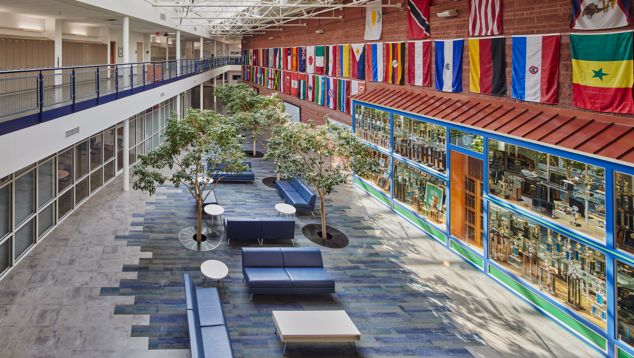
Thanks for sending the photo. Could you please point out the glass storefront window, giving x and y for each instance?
(108, 171)
(96, 151)
(5, 255)
(45, 219)
(65, 170)
(45, 182)
(5, 210)
(558, 266)
(139, 129)
(24, 238)
(81, 159)
(565, 191)
(624, 211)
(381, 179)
(82, 190)
(132, 132)
(372, 125)
(96, 180)
(24, 196)
(466, 140)
(421, 192)
(625, 302)
(421, 142)
(119, 148)
(65, 203)
(108, 143)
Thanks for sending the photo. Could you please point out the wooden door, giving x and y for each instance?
(113, 52)
(466, 198)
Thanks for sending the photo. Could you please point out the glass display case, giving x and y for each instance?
(625, 302)
(421, 192)
(421, 142)
(372, 125)
(381, 179)
(567, 270)
(467, 140)
(565, 191)
(624, 212)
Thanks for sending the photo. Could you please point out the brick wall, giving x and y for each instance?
(520, 17)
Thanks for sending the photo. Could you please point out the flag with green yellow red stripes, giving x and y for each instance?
(603, 71)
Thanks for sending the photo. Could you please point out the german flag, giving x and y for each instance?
(487, 66)
(603, 72)
(394, 62)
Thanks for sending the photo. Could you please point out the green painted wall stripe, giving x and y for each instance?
(477, 260)
(540, 302)
(427, 227)
(372, 191)
(623, 354)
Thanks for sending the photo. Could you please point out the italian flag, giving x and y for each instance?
(320, 53)
(603, 72)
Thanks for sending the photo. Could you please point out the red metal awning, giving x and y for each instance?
(608, 137)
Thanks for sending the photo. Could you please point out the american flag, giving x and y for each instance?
(485, 17)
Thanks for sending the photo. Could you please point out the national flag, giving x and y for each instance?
(245, 57)
(331, 60)
(600, 14)
(288, 85)
(449, 65)
(294, 59)
(303, 86)
(343, 95)
(331, 92)
(264, 57)
(320, 90)
(357, 87)
(485, 17)
(487, 66)
(310, 90)
(310, 59)
(603, 71)
(320, 60)
(374, 62)
(271, 57)
(344, 61)
(301, 59)
(419, 63)
(418, 19)
(285, 58)
(357, 62)
(394, 62)
(535, 68)
(271, 78)
(277, 58)
(294, 84)
(276, 80)
(373, 20)
(289, 58)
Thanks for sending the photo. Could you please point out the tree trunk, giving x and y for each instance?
(254, 144)
(199, 220)
(324, 234)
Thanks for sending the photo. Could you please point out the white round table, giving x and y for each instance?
(204, 180)
(215, 270)
(285, 209)
(213, 210)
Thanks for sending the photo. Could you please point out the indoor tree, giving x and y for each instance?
(194, 147)
(252, 112)
(324, 156)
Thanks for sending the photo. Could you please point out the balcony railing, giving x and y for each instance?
(33, 93)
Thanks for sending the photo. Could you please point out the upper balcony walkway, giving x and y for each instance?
(32, 96)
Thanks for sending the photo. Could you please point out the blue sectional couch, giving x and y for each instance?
(259, 230)
(245, 176)
(297, 193)
(285, 270)
(208, 336)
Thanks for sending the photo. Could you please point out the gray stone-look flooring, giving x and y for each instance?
(107, 282)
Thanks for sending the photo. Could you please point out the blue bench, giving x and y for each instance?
(246, 176)
(208, 336)
(297, 193)
(258, 230)
(285, 270)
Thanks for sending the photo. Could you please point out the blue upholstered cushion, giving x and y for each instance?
(310, 277)
(294, 198)
(262, 257)
(278, 229)
(243, 229)
(267, 277)
(216, 342)
(195, 335)
(302, 257)
(284, 185)
(190, 293)
(209, 307)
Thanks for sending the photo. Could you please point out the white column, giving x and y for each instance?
(59, 24)
(126, 39)
(167, 49)
(178, 106)
(126, 155)
(215, 84)
(178, 52)
(201, 48)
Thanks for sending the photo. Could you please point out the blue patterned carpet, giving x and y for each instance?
(397, 314)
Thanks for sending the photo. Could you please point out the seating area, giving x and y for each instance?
(259, 230)
(208, 336)
(284, 270)
(297, 193)
(222, 176)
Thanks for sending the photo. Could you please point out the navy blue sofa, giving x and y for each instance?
(245, 176)
(297, 193)
(208, 336)
(258, 230)
(285, 270)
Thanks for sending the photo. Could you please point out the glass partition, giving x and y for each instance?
(382, 178)
(624, 211)
(625, 302)
(467, 140)
(64, 170)
(372, 125)
(5, 210)
(421, 142)
(568, 192)
(421, 192)
(555, 264)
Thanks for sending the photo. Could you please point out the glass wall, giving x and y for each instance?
(625, 302)
(421, 142)
(382, 178)
(421, 192)
(565, 191)
(372, 125)
(624, 211)
(466, 140)
(555, 264)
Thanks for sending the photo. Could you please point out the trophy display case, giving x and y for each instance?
(372, 125)
(421, 192)
(422, 142)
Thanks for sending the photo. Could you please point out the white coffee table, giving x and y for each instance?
(285, 209)
(215, 270)
(213, 210)
(315, 326)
